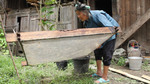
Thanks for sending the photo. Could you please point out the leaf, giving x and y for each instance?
(50, 8)
(43, 16)
(1, 38)
(52, 28)
(1, 45)
(49, 2)
(5, 45)
(51, 12)
(6, 52)
(2, 34)
(43, 22)
(44, 9)
(47, 22)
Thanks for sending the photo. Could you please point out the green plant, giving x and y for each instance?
(3, 43)
(37, 74)
(145, 63)
(121, 61)
(146, 68)
(113, 61)
(47, 10)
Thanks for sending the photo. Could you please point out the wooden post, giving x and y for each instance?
(41, 14)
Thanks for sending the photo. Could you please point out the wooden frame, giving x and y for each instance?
(24, 36)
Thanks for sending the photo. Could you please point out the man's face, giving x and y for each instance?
(82, 16)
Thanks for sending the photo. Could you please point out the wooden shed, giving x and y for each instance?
(21, 16)
(133, 18)
(132, 15)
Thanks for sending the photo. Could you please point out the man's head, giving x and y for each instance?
(82, 11)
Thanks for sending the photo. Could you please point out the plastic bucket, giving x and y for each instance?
(133, 49)
(135, 63)
(81, 65)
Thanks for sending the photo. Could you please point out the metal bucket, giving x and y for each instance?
(135, 63)
(81, 65)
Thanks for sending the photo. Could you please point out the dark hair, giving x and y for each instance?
(81, 7)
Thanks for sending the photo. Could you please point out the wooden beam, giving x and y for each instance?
(24, 36)
(133, 28)
(146, 77)
(129, 75)
(146, 56)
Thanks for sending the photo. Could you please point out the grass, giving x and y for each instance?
(119, 62)
(40, 74)
(146, 66)
(48, 73)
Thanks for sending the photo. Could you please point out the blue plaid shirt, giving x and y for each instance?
(99, 18)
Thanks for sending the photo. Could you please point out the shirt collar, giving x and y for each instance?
(90, 17)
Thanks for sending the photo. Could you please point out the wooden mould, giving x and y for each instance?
(51, 46)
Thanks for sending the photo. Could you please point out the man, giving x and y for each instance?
(93, 19)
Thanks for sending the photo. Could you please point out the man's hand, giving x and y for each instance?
(116, 29)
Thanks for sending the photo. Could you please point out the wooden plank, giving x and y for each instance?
(133, 28)
(146, 56)
(143, 29)
(146, 77)
(148, 30)
(139, 14)
(114, 10)
(134, 16)
(127, 16)
(123, 15)
(119, 9)
(24, 27)
(129, 75)
(147, 6)
(148, 23)
(138, 9)
(92, 4)
(67, 14)
(133, 12)
(56, 34)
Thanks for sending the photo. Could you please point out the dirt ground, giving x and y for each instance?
(116, 78)
(119, 79)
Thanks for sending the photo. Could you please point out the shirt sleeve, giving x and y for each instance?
(101, 18)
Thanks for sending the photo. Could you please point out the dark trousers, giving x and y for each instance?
(106, 52)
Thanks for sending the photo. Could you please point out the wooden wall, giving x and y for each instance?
(27, 20)
(128, 12)
(68, 19)
(22, 20)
